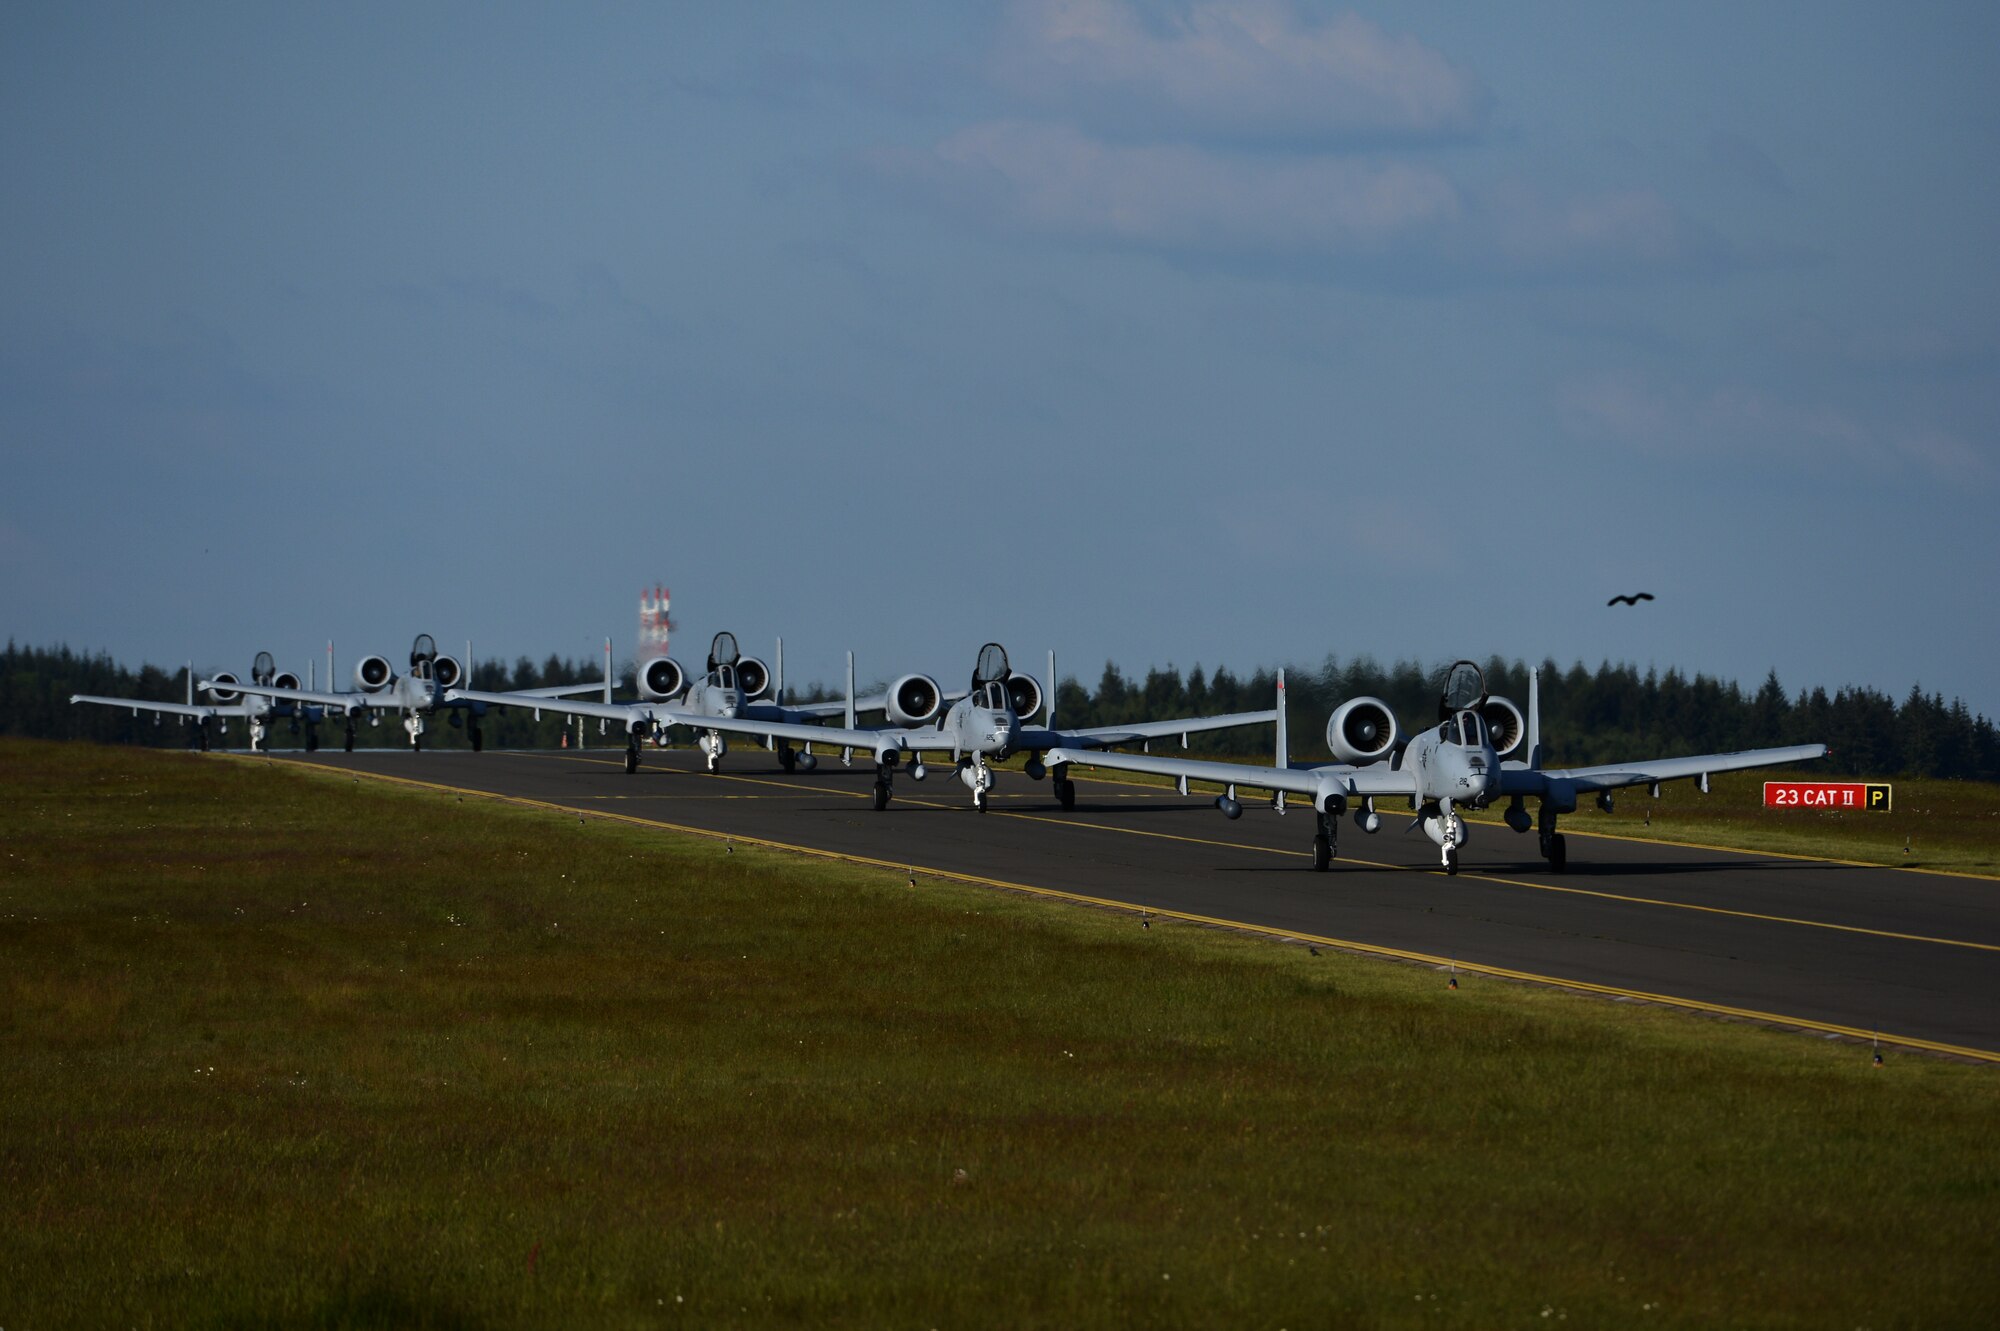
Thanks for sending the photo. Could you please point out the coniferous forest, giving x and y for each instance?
(1614, 712)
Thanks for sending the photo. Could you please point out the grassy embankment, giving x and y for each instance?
(1946, 825)
(285, 1048)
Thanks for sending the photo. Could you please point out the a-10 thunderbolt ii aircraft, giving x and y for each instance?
(417, 695)
(227, 702)
(731, 689)
(1464, 761)
(981, 728)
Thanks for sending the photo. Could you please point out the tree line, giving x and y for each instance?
(1615, 712)
(36, 684)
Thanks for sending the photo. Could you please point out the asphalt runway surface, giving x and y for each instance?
(1836, 948)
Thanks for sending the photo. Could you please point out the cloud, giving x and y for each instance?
(1734, 425)
(1233, 69)
(1054, 180)
(1197, 203)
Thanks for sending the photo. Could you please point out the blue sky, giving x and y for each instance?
(1232, 332)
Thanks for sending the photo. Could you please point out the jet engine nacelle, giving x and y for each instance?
(373, 673)
(1024, 695)
(287, 680)
(218, 693)
(753, 677)
(914, 700)
(1362, 730)
(662, 677)
(1505, 725)
(448, 673)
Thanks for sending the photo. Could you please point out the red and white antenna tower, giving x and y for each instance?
(654, 623)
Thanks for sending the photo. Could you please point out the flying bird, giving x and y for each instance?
(1633, 599)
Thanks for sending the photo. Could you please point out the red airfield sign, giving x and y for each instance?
(1826, 795)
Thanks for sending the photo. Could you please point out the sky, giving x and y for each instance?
(1227, 333)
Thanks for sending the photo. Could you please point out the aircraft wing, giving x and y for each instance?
(660, 714)
(834, 708)
(1102, 737)
(204, 711)
(1331, 779)
(543, 700)
(552, 691)
(1533, 781)
(346, 701)
(896, 738)
(874, 702)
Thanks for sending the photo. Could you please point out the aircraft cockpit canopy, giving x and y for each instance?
(1464, 690)
(991, 669)
(422, 652)
(723, 676)
(722, 651)
(1467, 728)
(264, 669)
(995, 696)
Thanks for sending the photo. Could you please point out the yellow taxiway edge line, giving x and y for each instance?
(1108, 903)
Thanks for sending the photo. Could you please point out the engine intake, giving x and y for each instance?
(1505, 725)
(1362, 730)
(914, 700)
(373, 673)
(1024, 695)
(753, 677)
(218, 693)
(448, 673)
(662, 677)
(287, 680)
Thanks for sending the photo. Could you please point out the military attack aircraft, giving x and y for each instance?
(417, 696)
(729, 689)
(1462, 762)
(981, 728)
(228, 702)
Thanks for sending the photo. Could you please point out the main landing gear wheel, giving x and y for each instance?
(788, 759)
(1066, 793)
(1451, 859)
(631, 758)
(1558, 852)
(312, 740)
(350, 739)
(881, 793)
(1322, 853)
(478, 739)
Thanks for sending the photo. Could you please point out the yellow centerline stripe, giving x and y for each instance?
(1058, 894)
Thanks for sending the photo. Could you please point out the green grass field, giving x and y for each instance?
(287, 1048)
